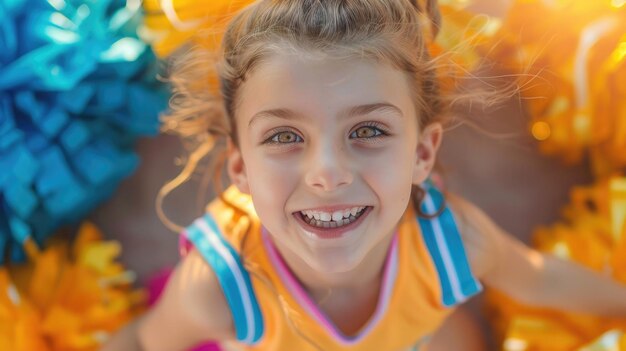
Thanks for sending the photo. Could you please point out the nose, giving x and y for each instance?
(328, 168)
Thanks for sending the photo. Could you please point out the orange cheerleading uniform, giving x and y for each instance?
(426, 274)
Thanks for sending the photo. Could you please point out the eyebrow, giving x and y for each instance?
(353, 111)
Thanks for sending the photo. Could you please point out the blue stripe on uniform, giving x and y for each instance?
(257, 317)
(233, 278)
(431, 244)
(445, 246)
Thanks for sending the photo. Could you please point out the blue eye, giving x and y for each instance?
(284, 137)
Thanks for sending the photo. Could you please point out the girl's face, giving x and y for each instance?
(333, 140)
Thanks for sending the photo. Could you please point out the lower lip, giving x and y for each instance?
(331, 233)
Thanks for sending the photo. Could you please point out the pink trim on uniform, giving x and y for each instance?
(184, 245)
(303, 298)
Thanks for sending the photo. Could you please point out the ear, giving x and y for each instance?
(426, 152)
(236, 168)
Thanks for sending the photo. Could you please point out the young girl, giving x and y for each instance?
(332, 236)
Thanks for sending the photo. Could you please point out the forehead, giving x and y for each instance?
(316, 85)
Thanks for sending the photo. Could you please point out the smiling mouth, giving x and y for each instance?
(334, 222)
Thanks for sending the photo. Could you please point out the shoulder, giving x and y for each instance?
(481, 236)
(500, 260)
(217, 240)
(201, 296)
(193, 304)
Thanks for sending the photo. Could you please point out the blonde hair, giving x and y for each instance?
(397, 32)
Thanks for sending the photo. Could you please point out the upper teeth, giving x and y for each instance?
(335, 216)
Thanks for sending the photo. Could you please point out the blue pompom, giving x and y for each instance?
(77, 87)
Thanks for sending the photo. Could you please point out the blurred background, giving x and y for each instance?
(513, 161)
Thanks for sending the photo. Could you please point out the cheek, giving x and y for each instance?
(271, 182)
(389, 181)
(272, 171)
(390, 175)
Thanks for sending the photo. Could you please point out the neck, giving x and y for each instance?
(365, 276)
